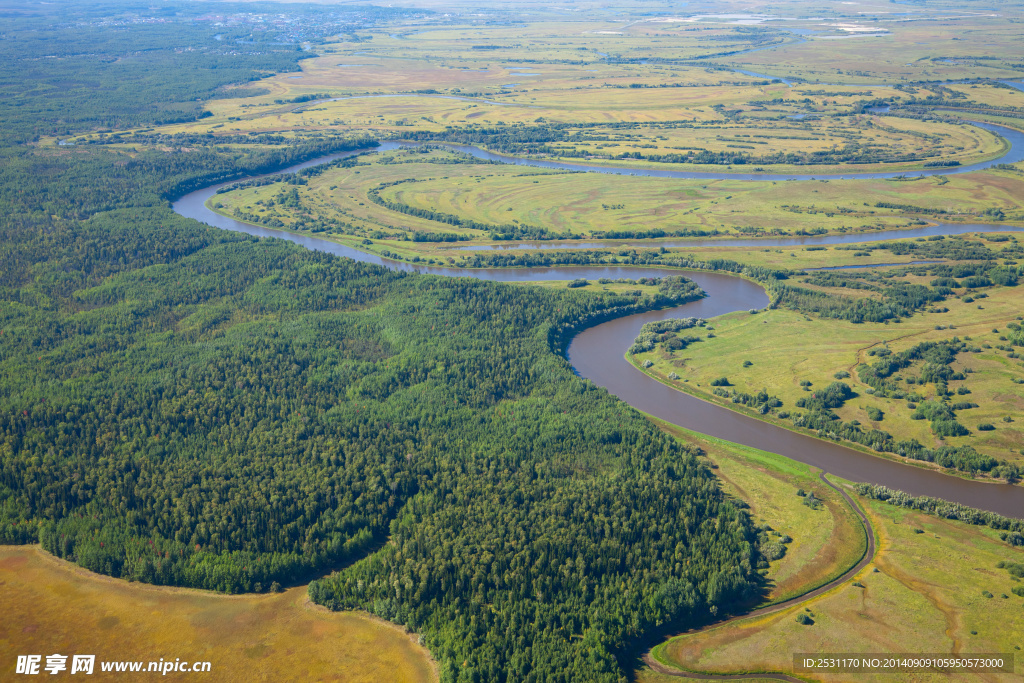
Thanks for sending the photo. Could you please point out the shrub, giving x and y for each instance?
(832, 396)
(1014, 538)
(943, 420)
(653, 332)
(985, 427)
(804, 619)
(720, 382)
(811, 501)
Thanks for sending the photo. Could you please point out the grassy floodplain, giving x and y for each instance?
(54, 606)
(608, 126)
(675, 83)
(786, 348)
(934, 585)
(591, 206)
(588, 205)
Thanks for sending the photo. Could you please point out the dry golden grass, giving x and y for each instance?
(51, 606)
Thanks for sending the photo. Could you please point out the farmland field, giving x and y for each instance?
(53, 606)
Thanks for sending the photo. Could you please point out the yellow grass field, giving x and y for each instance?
(663, 121)
(50, 606)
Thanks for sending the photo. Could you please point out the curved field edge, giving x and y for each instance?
(51, 605)
(322, 202)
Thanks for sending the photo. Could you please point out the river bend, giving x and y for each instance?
(597, 354)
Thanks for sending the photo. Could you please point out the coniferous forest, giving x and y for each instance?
(185, 406)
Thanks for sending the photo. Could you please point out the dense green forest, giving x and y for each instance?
(181, 405)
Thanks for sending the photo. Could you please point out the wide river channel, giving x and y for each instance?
(597, 353)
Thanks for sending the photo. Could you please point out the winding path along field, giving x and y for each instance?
(869, 555)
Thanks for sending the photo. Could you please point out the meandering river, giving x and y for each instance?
(1013, 153)
(597, 353)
